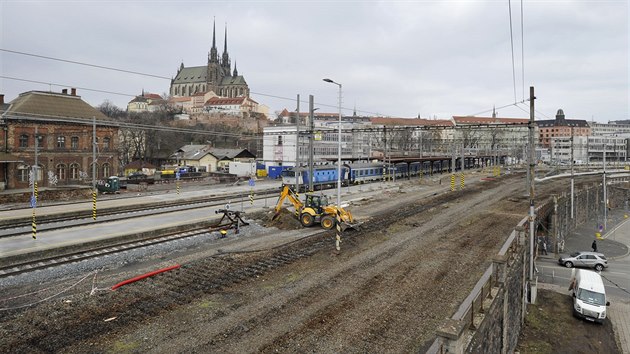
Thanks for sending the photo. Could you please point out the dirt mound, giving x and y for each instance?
(284, 220)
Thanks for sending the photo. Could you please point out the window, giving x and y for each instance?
(61, 142)
(74, 171)
(40, 141)
(280, 140)
(23, 141)
(106, 142)
(40, 173)
(23, 171)
(74, 142)
(106, 169)
(61, 172)
(91, 169)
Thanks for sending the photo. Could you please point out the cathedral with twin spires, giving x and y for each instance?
(217, 76)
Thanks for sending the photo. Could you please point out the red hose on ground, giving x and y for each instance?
(140, 277)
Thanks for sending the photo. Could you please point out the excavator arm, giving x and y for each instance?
(288, 193)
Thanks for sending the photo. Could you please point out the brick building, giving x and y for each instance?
(560, 127)
(63, 125)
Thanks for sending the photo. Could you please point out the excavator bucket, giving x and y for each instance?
(347, 221)
(347, 225)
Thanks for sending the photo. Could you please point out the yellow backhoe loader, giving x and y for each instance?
(315, 209)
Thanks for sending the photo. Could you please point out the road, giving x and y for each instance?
(615, 245)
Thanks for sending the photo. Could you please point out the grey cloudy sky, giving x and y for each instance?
(394, 58)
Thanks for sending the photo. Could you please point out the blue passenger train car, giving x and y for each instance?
(323, 176)
(366, 172)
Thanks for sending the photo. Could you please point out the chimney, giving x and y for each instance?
(73, 91)
(64, 91)
(1, 98)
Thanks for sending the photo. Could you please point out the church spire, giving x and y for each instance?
(213, 57)
(225, 40)
(225, 58)
(235, 74)
(214, 37)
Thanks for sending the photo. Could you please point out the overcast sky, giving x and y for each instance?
(393, 58)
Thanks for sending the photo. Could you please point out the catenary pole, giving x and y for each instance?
(311, 110)
(297, 146)
(532, 165)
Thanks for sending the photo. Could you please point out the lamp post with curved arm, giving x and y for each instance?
(338, 237)
(338, 146)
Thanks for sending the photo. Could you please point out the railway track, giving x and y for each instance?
(206, 276)
(200, 277)
(16, 227)
(306, 248)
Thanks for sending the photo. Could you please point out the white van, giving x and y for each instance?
(589, 295)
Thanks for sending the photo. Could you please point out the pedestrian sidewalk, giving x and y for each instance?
(614, 240)
(613, 243)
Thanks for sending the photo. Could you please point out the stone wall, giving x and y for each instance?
(47, 195)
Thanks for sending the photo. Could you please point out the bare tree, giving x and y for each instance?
(109, 109)
(470, 136)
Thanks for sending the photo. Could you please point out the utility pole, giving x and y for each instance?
(94, 191)
(532, 171)
(297, 146)
(34, 191)
(572, 180)
(604, 185)
(385, 153)
(36, 166)
(311, 110)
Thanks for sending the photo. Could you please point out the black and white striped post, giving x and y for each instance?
(33, 223)
(94, 193)
(338, 237)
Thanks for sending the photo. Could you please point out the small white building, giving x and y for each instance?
(147, 102)
(237, 106)
(280, 144)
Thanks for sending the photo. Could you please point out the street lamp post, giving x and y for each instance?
(338, 236)
(338, 147)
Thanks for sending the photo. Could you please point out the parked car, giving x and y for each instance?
(584, 259)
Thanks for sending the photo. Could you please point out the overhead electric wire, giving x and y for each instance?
(63, 85)
(84, 64)
(493, 108)
(120, 124)
(130, 72)
(536, 111)
(512, 46)
(522, 51)
(291, 99)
